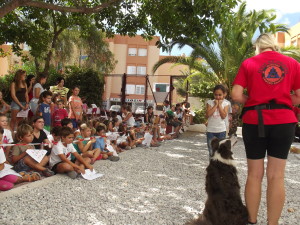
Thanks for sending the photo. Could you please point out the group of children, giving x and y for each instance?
(75, 145)
(72, 144)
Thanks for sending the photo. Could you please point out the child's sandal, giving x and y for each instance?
(26, 178)
(30, 177)
(35, 176)
(48, 173)
(23, 173)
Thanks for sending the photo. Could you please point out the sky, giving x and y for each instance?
(287, 11)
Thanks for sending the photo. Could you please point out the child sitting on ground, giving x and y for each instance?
(22, 161)
(7, 136)
(9, 177)
(163, 128)
(114, 114)
(113, 125)
(60, 158)
(100, 143)
(173, 121)
(121, 141)
(133, 136)
(127, 116)
(84, 147)
(55, 135)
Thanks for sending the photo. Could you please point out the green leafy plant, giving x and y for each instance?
(90, 82)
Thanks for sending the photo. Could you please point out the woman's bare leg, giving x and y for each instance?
(275, 189)
(253, 187)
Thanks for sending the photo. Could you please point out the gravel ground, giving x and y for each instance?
(163, 185)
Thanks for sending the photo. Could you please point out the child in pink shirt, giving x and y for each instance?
(75, 104)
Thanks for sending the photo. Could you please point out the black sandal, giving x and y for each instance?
(249, 223)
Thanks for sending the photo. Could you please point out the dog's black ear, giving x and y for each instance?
(225, 150)
(215, 144)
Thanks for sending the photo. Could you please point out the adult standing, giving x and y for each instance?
(38, 89)
(268, 122)
(59, 88)
(19, 95)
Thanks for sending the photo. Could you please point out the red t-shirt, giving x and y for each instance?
(269, 75)
(58, 115)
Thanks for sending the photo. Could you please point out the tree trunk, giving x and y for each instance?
(56, 33)
(50, 53)
(37, 65)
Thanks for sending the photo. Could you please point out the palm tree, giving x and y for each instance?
(233, 45)
(291, 51)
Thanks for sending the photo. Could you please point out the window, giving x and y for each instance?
(132, 51)
(140, 89)
(161, 88)
(141, 70)
(142, 52)
(131, 69)
(130, 89)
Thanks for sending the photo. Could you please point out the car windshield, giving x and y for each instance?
(115, 107)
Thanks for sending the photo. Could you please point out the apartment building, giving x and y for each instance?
(293, 38)
(10, 61)
(136, 57)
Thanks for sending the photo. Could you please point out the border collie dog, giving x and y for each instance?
(224, 204)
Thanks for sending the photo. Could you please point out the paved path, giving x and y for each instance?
(162, 185)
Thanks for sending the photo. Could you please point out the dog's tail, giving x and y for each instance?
(201, 220)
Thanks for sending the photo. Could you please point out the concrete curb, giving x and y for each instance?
(24, 187)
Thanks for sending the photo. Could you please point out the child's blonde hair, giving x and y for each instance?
(84, 126)
(23, 130)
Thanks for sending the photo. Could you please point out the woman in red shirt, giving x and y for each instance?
(268, 122)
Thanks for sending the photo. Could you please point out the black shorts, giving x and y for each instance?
(277, 141)
(54, 168)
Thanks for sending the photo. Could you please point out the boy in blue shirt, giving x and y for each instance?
(100, 143)
(44, 109)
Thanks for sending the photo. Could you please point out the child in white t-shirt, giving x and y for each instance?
(7, 135)
(216, 112)
(127, 115)
(8, 177)
(94, 110)
(60, 157)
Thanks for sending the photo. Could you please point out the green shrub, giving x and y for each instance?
(200, 116)
(52, 77)
(90, 82)
(5, 82)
